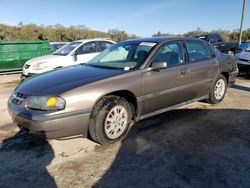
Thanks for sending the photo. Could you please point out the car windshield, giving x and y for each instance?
(65, 50)
(126, 56)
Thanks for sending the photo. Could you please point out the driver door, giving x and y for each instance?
(166, 87)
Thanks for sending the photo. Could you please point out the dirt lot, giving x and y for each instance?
(199, 145)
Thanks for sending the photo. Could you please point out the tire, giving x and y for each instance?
(218, 90)
(239, 73)
(110, 120)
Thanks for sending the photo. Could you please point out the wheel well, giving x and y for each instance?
(129, 96)
(226, 76)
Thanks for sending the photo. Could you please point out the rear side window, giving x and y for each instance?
(197, 51)
(104, 45)
(87, 48)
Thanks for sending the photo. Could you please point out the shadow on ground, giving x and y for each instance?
(185, 148)
(23, 162)
(243, 88)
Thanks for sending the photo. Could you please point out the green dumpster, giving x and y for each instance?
(13, 54)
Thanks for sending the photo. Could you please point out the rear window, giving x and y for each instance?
(197, 51)
(104, 45)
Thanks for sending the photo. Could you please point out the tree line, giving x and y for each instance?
(58, 33)
(61, 33)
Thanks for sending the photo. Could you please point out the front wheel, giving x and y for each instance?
(218, 90)
(110, 120)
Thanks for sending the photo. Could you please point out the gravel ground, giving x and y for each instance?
(199, 145)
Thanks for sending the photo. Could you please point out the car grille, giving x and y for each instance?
(246, 60)
(26, 66)
(18, 98)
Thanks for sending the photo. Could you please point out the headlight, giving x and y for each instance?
(45, 103)
(39, 66)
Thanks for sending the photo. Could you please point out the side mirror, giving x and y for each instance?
(74, 56)
(159, 65)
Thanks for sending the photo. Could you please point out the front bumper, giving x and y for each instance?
(51, 126)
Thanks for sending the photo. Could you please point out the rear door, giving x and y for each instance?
(86, 52)
(202, 67)
(166, 87)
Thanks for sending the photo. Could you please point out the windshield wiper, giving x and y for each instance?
(103, 67)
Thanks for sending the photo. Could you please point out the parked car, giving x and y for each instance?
(128, 82)
(13, 54)
(243, 61)
(244, 45)
(56, 45)
(231, 47)
(73, 53)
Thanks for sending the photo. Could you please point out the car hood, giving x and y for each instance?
(46, 58)
(59, 81)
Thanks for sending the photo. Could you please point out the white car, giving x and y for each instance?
(243, 61)
(76, 52)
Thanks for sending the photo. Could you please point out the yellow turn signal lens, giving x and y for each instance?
(51, 101)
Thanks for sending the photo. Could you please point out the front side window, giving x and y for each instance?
(171, 53)
(87, 48)
(197, 51)
(65, 50)
(127, 56)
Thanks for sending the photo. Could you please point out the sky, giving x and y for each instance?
(140, 17)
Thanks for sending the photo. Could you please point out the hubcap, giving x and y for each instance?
(116, 122)
(219, 90)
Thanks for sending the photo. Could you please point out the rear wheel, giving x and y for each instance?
(218, 90)
(110, 120)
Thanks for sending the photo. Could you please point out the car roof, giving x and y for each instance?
(161, 39)
(59, 42)
(94, 39)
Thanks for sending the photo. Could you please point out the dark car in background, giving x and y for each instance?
(56, 45)
(244, 45)
(243, 61)
(217, 41)
(127, 82)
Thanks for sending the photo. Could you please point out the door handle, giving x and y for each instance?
(183, 72)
